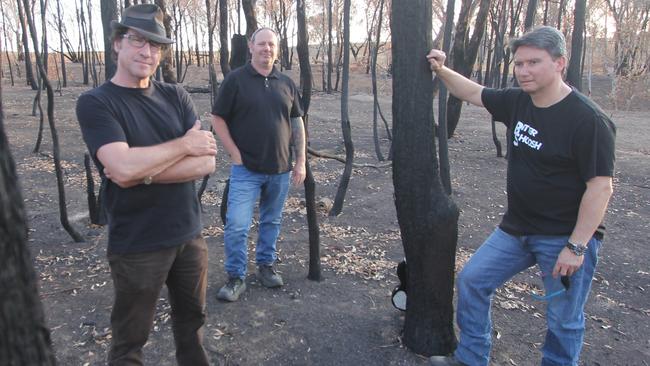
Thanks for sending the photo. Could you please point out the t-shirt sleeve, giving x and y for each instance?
(296, 108)
(594, 147)
(189, 110)
(500, 103)
(98, 125)
(224, 105)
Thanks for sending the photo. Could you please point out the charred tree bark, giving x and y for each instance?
(239, 51)
(251, 17)
(24, 333)
(63, 212)
(464, 53)
(337, 207)
(64, 73)
(109, 13)
(574, 71)
(94, 203)
(167, 62)
(529, 21)
(329, 46)
(443, 150)
(310, 184)
(224, 54)
(44, 47)
(29, 72)
(373, 73)
(427, 217)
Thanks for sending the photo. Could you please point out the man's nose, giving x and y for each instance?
(146, 49)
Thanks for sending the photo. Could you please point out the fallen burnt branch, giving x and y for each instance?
(322, 154)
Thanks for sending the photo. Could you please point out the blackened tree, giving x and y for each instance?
(302, 47)
(427, 217)
(574, 71)
(109, 13)
(24, 336)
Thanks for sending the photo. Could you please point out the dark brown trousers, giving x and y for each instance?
(138, 279)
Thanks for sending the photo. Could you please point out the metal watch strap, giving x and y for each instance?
(576, 249)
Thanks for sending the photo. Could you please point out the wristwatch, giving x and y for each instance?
(147, 180)
(578, 250)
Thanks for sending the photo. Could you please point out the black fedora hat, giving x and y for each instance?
(147, 19)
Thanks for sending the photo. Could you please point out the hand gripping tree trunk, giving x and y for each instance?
(310, 184)
(24, 336)
(427, 217)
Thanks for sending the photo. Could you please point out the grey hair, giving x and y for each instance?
(261, 29)
(544, 38)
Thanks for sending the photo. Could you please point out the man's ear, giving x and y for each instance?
(561, 63)
(117, 45)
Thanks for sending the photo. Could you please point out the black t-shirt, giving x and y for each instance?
(144, 217)
(257, 110)
(552, 153)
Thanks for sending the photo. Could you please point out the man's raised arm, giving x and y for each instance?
(458, 85)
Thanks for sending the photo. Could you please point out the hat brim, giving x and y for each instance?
(148, 35)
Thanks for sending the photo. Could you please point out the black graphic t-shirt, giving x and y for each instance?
(552, 153)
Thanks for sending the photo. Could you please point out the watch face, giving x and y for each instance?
(148, 180)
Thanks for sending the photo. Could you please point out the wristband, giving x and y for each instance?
(576, 249)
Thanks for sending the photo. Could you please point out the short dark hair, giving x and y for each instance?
(545, 38)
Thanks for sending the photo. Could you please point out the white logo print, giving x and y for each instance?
(522, 134)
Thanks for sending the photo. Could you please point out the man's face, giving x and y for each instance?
(137, 57)
(535, 69)
(264, 48)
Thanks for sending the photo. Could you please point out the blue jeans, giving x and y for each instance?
(501, 257)
(245, 188)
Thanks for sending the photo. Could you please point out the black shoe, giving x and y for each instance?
(267, 276)
(444, 361)
(232, 289)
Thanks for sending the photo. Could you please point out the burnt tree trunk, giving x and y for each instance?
(302, 48)
(167, 62)
(329, 46)
(373, 73)
(64, 73)
(251, 17)
(574, 71)
(63, 212)
(29, 72)
(531, 9)
(464, 53)
(239, 51)
(24, 334)
(337, 207)
(224, 54)
(443, 150)
(427, 217)
(109, 13)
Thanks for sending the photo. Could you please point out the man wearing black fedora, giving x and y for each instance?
(146, 141)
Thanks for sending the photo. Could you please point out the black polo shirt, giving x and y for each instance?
(257, 110)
